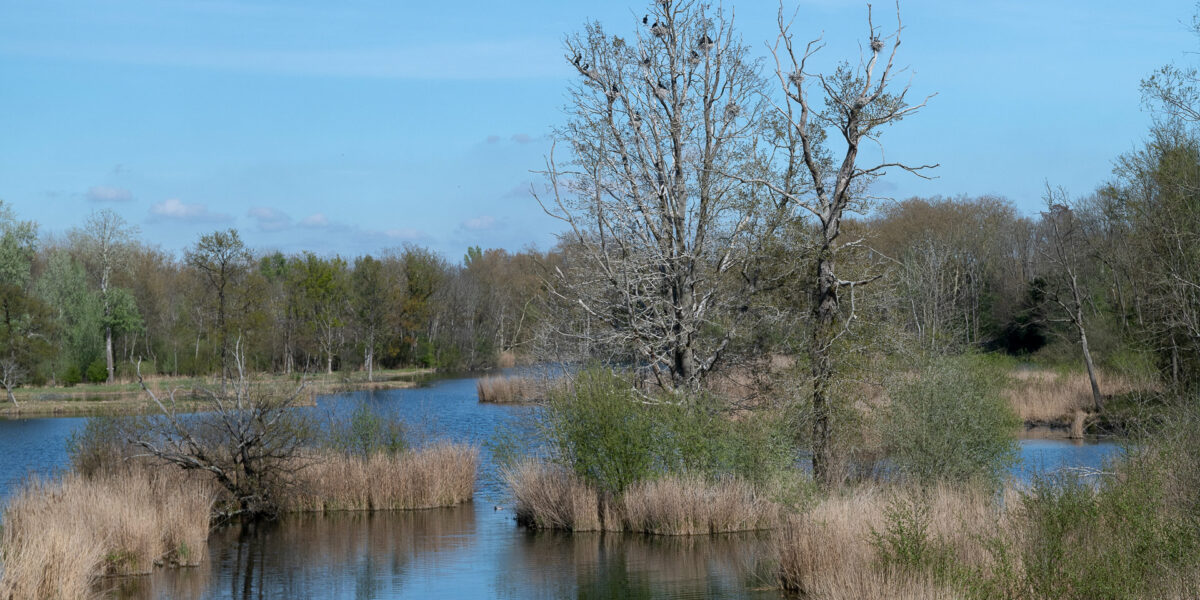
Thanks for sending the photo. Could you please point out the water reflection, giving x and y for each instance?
(461, 552)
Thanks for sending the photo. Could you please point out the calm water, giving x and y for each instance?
(472, 551)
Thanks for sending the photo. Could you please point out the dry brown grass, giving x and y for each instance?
(1042, 396)
(550, 497)
(828, 552)
(688, 505)
(439, 475)
(61, 536)
(503, 389)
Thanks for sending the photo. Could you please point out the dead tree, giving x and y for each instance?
(657, 226)
(250, 439)
(856, 103)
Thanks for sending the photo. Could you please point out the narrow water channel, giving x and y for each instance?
(471, 551)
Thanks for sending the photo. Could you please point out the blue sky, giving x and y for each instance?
(349, 127)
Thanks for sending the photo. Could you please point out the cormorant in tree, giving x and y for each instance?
(645, 19)
(578, 57)
(705, 43)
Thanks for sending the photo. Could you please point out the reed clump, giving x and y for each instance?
(61, 536)
(442, 474)
(508, 389)
(875, 542)
(549, 496)
(690, 504)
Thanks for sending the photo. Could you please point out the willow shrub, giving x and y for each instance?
(612, 436)
(949, 422)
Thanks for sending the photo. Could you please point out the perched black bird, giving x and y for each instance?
(578, 57)
(645, 19)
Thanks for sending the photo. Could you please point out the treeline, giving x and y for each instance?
(958, 273)
(88, 306)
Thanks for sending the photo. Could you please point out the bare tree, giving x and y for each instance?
(1066, 252)
(658, 121)
(250, 441)
(856, 103)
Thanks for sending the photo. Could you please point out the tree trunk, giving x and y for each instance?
(1097, 399)
(370, 358)
(824, 309)
(108, 353)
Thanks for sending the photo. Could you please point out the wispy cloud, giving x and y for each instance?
(102, 193)
(270, 219)
(176, 209)
(481, 223)
(315, 220)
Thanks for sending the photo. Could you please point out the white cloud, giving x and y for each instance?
(480, 223)
(174, 208)
(270, 219)
(102, 193)
(315, 220)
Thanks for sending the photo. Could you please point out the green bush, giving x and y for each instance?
(602, 431)
(906, 541)
(611, 436)
(72, 376)
(950, 423)
(97, 372)
(366, 432)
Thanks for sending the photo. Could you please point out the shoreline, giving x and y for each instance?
(126, 398)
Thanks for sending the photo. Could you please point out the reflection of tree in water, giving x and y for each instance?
(351, 554)
(614, 565)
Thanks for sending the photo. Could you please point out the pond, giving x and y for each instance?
(471, 551)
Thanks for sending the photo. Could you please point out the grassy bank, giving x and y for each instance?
(127, 398)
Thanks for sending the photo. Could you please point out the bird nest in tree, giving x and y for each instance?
(661, 92)
(732, 111)
(876, 44)
(705, 43)
(797, 78)
(658, 30)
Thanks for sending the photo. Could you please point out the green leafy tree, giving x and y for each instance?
(223, 261)
(105, 242)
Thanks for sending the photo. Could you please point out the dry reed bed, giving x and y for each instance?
(504, 389)
(61, 536)
(829, 552)
(439, 475)
(1041, 396)
(550, 497)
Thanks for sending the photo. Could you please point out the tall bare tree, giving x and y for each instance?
(1066, 252)
(854, 105)
(658, 121)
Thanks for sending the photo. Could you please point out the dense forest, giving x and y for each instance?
(1117, 267)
